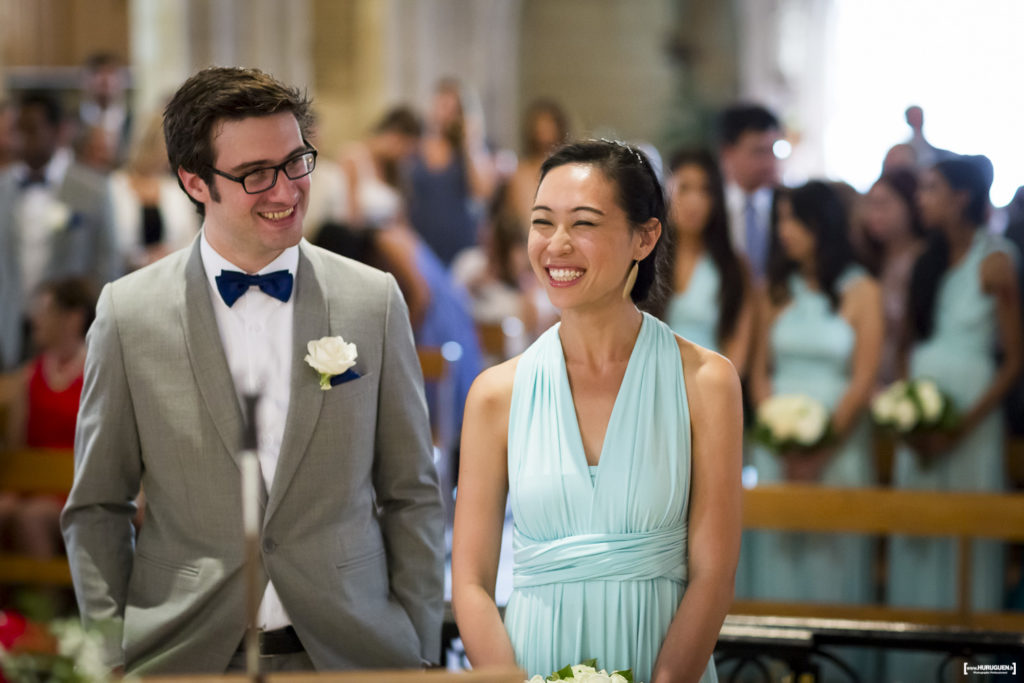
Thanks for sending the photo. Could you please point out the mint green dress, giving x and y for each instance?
(960, 357)
(811, 347)
(599, 563)
(693, 313)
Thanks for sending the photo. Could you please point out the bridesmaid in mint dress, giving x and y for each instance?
(963, 303)
(618, 444)
(825, 329)
(711, 302)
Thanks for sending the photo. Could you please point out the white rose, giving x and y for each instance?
(617, 678)
(810, 427)
(905, 415)
(536, 679)
(57, 216)
(930, 398)
(331, 355)
(882, 407)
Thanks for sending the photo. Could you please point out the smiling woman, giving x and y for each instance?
(623, 492)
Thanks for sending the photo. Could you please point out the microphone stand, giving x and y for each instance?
(251, 474)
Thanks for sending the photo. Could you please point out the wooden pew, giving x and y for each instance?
(492, 339)
(36, 472)
(884, 512)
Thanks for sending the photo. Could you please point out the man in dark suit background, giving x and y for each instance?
(56, 220)
(747, 135)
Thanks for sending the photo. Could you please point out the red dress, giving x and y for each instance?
(51, 414)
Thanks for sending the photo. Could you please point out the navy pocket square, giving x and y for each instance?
(346, 376)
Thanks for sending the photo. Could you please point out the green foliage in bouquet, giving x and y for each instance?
(586, 672)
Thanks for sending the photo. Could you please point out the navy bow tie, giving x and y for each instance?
(31, 179)
(232, 284)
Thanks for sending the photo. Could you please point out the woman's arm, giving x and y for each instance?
(15, 390)
(715, 520)
(863, 303)
(480, 171)
(738, 347)
(760, 379)
(351, 171)
(480, 516)
(999, 279)
(396, 245)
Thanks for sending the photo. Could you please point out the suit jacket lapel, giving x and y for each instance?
(209, 364)
(311, 321)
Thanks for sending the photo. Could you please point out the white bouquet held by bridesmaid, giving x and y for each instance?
(906, 407)
(792, 422)
(586, 672)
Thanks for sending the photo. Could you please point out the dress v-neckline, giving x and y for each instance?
(576, 434)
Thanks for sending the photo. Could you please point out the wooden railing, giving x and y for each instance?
(885, 512)
(36, 472)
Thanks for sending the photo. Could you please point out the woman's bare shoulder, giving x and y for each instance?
(492, 388)
(706, 370)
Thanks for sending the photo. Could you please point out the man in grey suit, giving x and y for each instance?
(351, 531)
(56, 220)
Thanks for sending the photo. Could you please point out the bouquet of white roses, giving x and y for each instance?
(792, 422)
(905, 407)
(586, 672)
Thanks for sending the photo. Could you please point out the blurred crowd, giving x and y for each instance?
(816, 289)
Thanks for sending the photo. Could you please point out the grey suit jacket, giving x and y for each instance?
(86, 246)
(352, 530)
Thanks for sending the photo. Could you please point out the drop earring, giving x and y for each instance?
(630, 279)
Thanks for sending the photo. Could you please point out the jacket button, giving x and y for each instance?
(269, 545)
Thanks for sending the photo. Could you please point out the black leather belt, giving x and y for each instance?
(282, 641)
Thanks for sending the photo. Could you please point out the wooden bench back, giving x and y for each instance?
(886, 512)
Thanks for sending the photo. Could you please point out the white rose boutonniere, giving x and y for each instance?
(58, 216)
(333, 358)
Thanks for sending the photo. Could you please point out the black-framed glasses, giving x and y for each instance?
(262, 179)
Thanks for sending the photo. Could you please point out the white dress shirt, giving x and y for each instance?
(39, 215)
(736, 204)
(257, 337)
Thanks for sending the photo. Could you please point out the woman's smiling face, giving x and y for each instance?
(581, 245)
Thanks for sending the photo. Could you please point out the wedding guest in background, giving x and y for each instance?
(439, 307)
(824, 331)
(44, 415)
(349, 514)
(56, 220)
(893, 239)
(712, 301)
(154, 217)
(328, 191)
(925, 153)
(9, 152)
(624, 485)
(900, 157)
(963, 302)
(500, 282)
(451, 176)
(747, 135)
(545, 127)
(1015, 397)
(104, 106)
